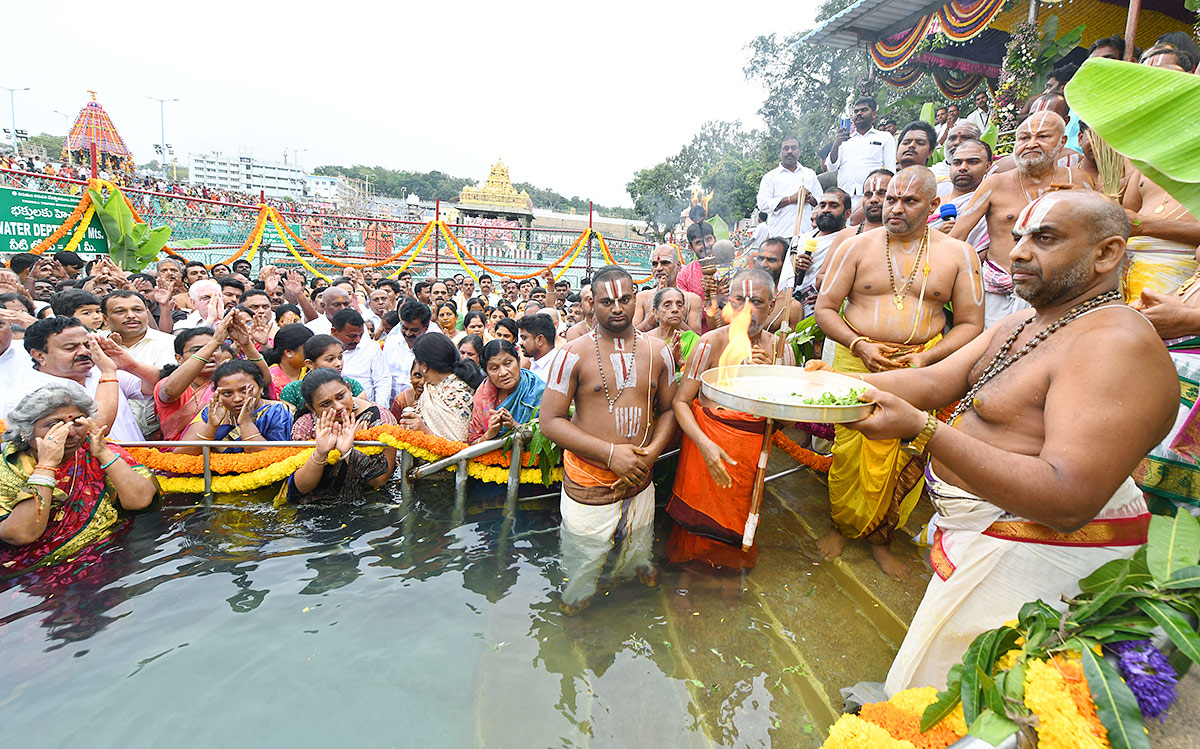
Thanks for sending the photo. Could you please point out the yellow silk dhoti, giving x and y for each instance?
(1158, 265)
(873, 484)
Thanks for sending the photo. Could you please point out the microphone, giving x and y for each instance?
(810, 246)
(949, 211)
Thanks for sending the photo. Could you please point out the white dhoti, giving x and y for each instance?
(983, 579)
(589, 533)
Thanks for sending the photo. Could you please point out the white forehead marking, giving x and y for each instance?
(1032, 215)
(875, 183)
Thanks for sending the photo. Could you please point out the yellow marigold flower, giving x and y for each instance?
(852, 732)
(1053, 691)
(1008, 660)
(915, 700)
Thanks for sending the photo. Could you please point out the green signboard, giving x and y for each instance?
(28, 217)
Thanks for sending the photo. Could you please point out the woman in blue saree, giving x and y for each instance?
(508, 397)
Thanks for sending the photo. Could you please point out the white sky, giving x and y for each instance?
(574, 96)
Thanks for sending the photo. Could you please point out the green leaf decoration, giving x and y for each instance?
(945, 704)
(1102, 597)
(1148, 114)
(1115, 704)
(971, 686)
(1176, 625)
(1104, 576)
(1173, 543)
(1188, 577)
(992, 727)
(183, 244)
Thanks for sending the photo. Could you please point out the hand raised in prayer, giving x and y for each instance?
(17, 317)
(108, 368)
(293, 287)
(1170, 317)
(715, 458)
(217, 413)
(119, 354)
(223, 327)
(345, 436)
(675, 344)
(10, 283)
(760, 355)
(893, 417)
(50, 448)
(325, 430)
(260, 331)
(246, 413)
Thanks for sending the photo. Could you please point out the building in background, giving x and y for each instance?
(246, 174)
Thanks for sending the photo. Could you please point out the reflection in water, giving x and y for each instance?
(423, 630)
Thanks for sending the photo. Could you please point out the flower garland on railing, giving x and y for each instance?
(573, 249)
(612, 261)
(819, 463)
(84, 206)
(278, 223)
(242, 472)
(418, 240)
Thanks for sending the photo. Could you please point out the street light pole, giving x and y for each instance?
(162, 130)
(12, 108)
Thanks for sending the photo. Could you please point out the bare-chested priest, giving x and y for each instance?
(621, 382)
(1039, 142)
(894, 284)
(664, 265)
(1058, 405)
(1163, 239)
(714, 482)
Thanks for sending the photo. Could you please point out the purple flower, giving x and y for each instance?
(1148, 674)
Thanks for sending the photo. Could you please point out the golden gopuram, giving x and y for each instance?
(496, 198)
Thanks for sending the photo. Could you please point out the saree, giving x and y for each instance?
(522, 403)
(710, 520)
(83, 509)
(348, 480)
(175, 416)
(873, 484)
(445, 407)
(1169, 475)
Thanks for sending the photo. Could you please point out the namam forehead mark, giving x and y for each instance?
(748, 287)
(1043, 119)
(617, 288)
(1032, 217)
(904, 183)
(876, 182)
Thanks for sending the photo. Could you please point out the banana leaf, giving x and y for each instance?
(1149, 115)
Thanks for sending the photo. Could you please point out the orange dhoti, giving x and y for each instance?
(710, 520)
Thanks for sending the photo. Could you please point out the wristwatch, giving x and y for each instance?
(916, 445)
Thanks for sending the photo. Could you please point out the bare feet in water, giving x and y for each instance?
(831, 544)
(891, 566)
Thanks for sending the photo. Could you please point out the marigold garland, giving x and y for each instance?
(278, 223)
(376, 264)
(612, 261)
(72, 219)
(1057, 692)
(578, 241)
(81, 229)
(819, 463)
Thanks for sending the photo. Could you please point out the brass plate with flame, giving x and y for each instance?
(777, 392)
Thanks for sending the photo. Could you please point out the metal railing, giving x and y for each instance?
(409, 471)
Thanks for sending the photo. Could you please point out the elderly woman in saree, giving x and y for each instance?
(444, 408)
(62, 485)
(333, 416)
(509, 396)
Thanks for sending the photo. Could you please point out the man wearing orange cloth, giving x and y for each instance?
(621, 382)
(714, 483)
(882, 303)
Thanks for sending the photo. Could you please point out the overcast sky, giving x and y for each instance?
(573, 96)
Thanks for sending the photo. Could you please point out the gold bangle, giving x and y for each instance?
(856, 341)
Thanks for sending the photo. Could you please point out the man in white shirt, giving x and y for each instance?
(982, 116)
(333, 299)
(62, 349)
(127, 315)
(537, 342)
(397, 347)
(962, 131)
(362, 360)
(862, 150)
(16, 371)
(782, 189)
(487, 290)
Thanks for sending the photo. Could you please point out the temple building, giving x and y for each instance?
(496, 198)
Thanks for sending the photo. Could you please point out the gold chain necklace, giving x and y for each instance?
(898, 295)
